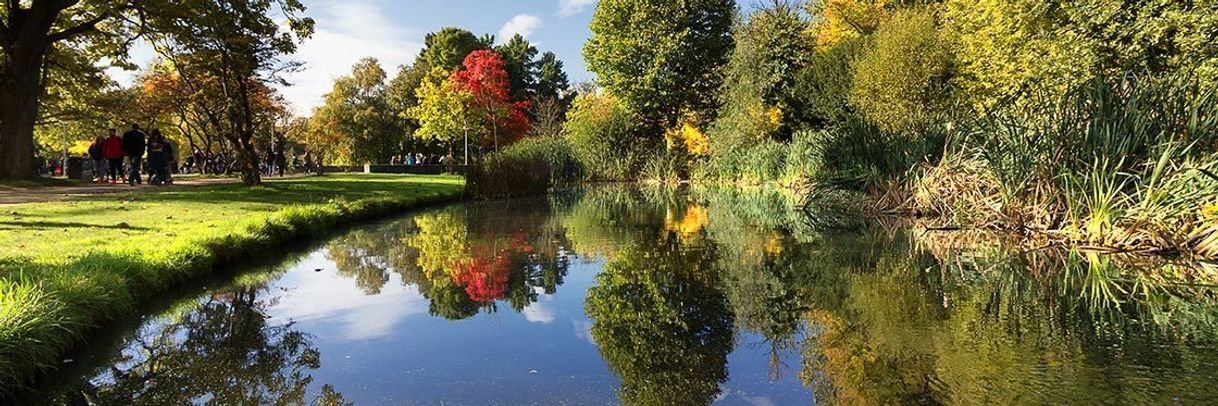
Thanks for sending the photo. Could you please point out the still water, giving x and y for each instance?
(666, 297)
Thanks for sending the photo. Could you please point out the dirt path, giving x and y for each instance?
(58, 193)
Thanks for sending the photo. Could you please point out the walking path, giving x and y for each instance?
(57, 193)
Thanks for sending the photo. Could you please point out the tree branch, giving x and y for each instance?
(81, 29)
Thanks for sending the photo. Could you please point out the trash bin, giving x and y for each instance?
(76, 168)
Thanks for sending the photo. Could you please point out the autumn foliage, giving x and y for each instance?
(484, 75)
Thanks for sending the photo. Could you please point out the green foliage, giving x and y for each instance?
(823, 86)
(552, 81)
(522, 68)
(243, 48)
(901, 81)
(1015, 49)
(1007, 48)
(661, 58)
(603, 135)
(402, 93)
(758, 93)
(447, 48)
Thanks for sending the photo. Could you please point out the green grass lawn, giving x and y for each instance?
(68, 266)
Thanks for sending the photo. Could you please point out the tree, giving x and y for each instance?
(518, 58)
(823, 85)
(448, 47)
(485, 78)
(30, 32)
(902, 81)
(442, 110)
(1007, 49)
(548, 118)
(1016, 49)
(552, 81)
(402, 94)
(839, 20)
(661, 58)
(760, 76)
(238, 44)
(601, 130)
(359, 111)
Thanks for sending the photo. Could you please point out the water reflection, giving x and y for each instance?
(221, 351)
(685, 297)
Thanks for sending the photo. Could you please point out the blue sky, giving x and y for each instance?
(393, 31)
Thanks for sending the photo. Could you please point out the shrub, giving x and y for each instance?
(822, 88)
(603, 136)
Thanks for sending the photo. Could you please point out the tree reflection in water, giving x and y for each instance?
(662, 323)
(220, 351)
(462, 259)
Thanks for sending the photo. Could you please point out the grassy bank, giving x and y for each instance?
(66, 267)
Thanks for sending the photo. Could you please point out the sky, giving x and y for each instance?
(393, 31)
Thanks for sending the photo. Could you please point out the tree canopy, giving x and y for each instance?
(661, 58)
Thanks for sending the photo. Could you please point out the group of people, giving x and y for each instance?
(417, 158)
(132, 149)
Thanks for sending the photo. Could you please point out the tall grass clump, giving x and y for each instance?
(1124, 162)
(528, 167)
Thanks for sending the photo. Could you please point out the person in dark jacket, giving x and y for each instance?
(97, 154)
(157, 162)
(134, 143)
(112, 149)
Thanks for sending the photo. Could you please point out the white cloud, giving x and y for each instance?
(538, 313)
(567, 8)
(522, 24)
(326, 297)
(346, 31)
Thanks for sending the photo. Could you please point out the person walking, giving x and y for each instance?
(112, 150)
(156, 158)
(281, 160)
(134, 143)
(98, 157)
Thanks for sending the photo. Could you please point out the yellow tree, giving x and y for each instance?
(443, 112)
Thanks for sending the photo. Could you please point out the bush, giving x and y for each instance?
(823, 87)
(603, 136)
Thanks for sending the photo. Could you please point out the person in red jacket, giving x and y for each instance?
(112, 149)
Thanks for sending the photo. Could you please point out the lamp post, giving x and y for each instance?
(465, 128)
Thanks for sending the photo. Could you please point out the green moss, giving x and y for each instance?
(67, 267)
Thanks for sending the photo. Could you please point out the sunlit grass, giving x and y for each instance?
(67, 266)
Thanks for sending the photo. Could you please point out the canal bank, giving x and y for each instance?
(69, 267)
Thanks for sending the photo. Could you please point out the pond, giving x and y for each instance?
(647, 296)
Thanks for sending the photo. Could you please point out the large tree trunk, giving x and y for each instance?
(20, 89)
(251, 171)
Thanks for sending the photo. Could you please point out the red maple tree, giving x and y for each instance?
(485, 77)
